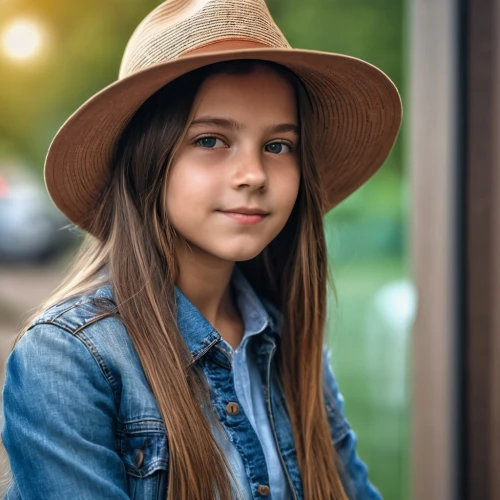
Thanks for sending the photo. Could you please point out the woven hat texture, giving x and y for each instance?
(356, 107)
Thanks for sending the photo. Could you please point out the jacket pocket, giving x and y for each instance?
(143, 447)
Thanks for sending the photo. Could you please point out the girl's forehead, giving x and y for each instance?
(261, 92)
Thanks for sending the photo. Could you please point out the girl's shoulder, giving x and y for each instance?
(82, 331)
(74, 382)
(75, 313)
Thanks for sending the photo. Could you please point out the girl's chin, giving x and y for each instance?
(223, 249)
(239, 255)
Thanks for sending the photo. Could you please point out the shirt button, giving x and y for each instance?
(233, 408)
(264, 490)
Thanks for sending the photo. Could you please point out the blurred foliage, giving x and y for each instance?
(370, 357)
(87, 40)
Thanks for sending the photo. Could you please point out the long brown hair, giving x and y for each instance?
(135, 244)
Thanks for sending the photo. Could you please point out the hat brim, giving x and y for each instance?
(357, 117)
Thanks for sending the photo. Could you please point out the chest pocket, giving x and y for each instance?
(143, 448)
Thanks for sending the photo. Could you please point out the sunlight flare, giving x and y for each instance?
(22, 39)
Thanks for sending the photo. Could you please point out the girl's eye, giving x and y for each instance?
(210, 142)
(278, 148)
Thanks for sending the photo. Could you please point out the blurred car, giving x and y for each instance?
(31, 227)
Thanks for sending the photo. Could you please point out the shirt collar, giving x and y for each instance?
(254, 315)
(200, 335)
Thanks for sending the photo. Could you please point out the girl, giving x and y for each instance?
(183, 355)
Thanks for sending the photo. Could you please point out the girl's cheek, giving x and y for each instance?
(191, 191)
(287, 184)
(185, 177)
(200, 180)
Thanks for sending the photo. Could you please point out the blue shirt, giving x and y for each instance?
(81, 421)
(248, 386)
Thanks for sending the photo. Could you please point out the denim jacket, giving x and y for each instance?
(81, 421)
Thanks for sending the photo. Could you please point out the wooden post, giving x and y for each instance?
(482, 190)
(434, 163)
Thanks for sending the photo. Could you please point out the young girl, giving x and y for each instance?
(184, 354)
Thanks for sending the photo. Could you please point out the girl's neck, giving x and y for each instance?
(206, 282)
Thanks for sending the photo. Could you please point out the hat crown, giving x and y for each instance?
(178, 27)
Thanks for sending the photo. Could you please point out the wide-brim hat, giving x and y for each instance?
(356, 107)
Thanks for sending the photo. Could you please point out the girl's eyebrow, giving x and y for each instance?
(231, 124)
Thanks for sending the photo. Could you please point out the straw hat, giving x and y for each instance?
(357, 108)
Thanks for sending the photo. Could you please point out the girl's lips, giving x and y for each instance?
(245, 218)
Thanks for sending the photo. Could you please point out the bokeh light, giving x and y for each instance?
(22, 39)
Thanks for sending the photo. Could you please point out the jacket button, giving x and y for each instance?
(233, 408)
(139, 458)
(264, 490)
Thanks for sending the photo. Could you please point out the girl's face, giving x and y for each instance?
(235, 178)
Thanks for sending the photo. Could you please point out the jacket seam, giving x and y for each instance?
(47, 322)
(203, 351)
(76, 304)
(91, 321)
(147, 422)
(225, 354)
(82, 336)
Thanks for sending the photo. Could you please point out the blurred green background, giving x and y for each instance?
(371, 312)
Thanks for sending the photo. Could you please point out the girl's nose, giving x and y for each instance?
(250, 172)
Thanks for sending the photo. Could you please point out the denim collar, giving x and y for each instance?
(200, 335)
(257, 315)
